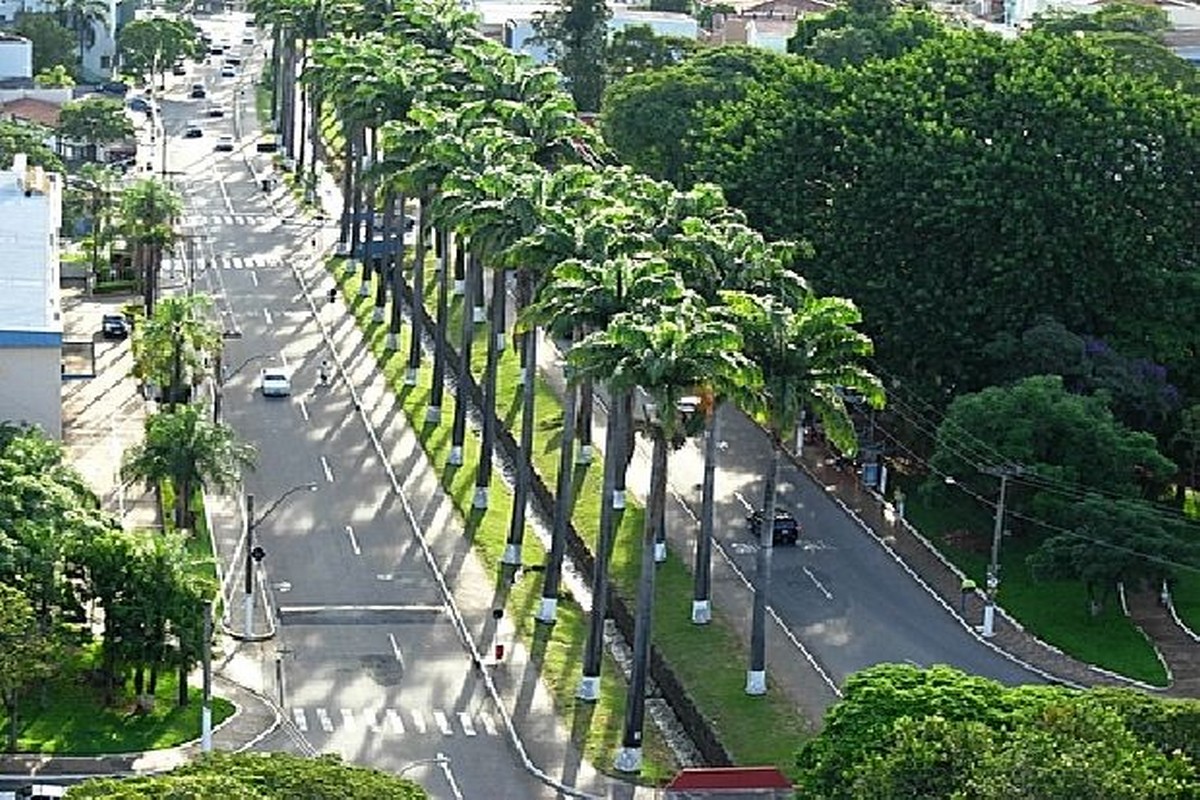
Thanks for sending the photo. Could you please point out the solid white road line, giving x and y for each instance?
(325, 468)
(444, 762)
(254, 278)
(267, 315)
(316, 609)
(745, 503)
(303, 409)
(817, 583)
(353, 542)
(396, 649)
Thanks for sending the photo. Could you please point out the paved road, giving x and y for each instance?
(372, 666)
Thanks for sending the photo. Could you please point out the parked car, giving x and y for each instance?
(114, 326)
(224, 143)
(787, 528)
(140, 104)
(275, 382)
(233, 61)
(248, 39)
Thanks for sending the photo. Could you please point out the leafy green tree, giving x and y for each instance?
(268, 776)
(190, 451)
(1115, 541)
(30, 139)
(1118, 17)
(666, 350)
(172, 347)
(56, 77)
(26, 654)
(148, 211)
(151, 46)
(1058, 437)
(95, 121)
(859, 30)
(53, 44)
(576, 34)
(638, 47)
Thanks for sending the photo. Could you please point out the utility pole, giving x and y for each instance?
(248, 599)
(206, 707)
(993, 573)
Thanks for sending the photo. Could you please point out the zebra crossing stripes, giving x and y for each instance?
(173, 265)
(391, 721)
(205, 220)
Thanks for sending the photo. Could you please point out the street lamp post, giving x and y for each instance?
(206, 708)
(255, 554)
(988, 628)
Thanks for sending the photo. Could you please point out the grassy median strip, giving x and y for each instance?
(708, 659)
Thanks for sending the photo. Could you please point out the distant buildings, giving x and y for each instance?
(31, 324)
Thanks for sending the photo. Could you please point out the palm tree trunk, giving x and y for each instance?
(702, 586)
(303, 135)
(516, 527)
(395, 270)
(583, 423)
(629, 757)
(356, 251)
(276, 74)
(756, 676)
(483, 475)
(366, 205)
(480, 309)
(589, 684)
(10, 710)
(418, 292)
(347, 186)
(379, 257)
(462, 397)
(460, 276)
(182, 696)
(437, 386)
(562, 509)
(625, 454)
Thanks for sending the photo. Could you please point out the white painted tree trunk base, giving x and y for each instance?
(521, 376)
(390, 342)
(584, 456)
(756, 682)
(629, 759)
(456, 456)
(547, 610)
(433, 415)
(618, 499)
(500, 342)
(460, 288)
(512, 555)
(248, 614)
(701, 612)
(377, 315)
(342, 250)
(364, 289)
(479, 315)
(660, 552)
(480, 500)
(589, 689)
(988, 630)
(410, 376)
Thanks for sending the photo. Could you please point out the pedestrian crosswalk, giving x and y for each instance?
(208, 220)
(396, 722)
(171, 265)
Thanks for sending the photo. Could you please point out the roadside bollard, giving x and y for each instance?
(968, 586)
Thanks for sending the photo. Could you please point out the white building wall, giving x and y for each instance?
(96, 56)
(30, 304)
(16, 57)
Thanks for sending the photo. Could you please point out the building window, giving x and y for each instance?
(105, 62)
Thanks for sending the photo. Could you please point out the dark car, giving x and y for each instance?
(140, 104)
(198, 91)
(179, 68)
(114, 326)
(787, 528)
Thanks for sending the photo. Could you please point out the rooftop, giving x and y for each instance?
(29, 295)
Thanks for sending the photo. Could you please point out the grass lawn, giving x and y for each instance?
(1055, 611)
(755, 730)
(68, 717)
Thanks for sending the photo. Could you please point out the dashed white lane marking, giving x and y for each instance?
(325, 468)
(745, 503)
(396, 649)
(303, 409)
(267, 315)
(254, 278)
(353, 541)
(820, 586)
(443, 724)
(326, 722)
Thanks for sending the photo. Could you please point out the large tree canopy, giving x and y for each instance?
(958, 192)
(938, 733)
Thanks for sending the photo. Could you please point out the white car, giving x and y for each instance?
(275, 382)
(224, 142)
(228, 71)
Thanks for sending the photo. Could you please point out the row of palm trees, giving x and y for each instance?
(668, 299)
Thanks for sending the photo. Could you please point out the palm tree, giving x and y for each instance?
(171, 347)
(192, 452)
(149, 210)
(809, 352)
(666, 351)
